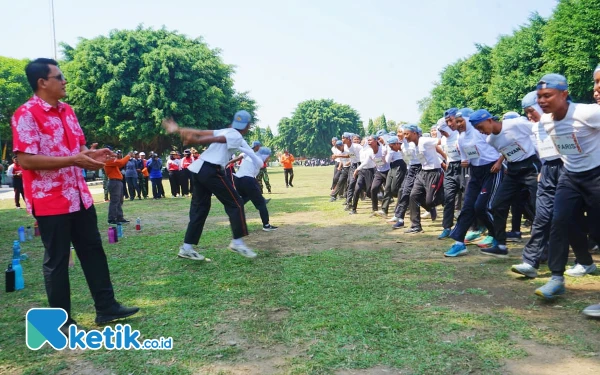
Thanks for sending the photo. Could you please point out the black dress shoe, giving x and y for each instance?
(65, 327)
(116, 311)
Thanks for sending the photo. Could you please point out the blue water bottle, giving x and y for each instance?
(16, 250)
(22, 234)
(19, 280)
(119, 230)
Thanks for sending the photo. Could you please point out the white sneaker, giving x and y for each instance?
(425, 215)
(189, 254)
(525, 270)
(580, 270)
(242, 250)
(393, 219)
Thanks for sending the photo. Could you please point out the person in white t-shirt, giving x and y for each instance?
(342, 158)
(512, 138)
(427, 191)
(209, 178)
(397, 172)
(364, 172)
(575, 131)
(337, 168)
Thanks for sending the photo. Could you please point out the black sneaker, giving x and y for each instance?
(513, 236)
(399, 224)
(123, 221)
(269, 228)
(291, 185)
(353, 212)
(113, 222)
(332, 199)
(495, 251)
(116, 311)
(413, 230)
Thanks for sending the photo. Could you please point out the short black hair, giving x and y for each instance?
(37, 69)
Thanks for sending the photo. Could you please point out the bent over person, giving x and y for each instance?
(51, 148)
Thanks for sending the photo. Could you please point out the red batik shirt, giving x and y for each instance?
(40, 129)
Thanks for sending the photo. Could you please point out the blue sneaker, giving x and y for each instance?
(399, 224)
(472, 236)
(456, 250)
(445, 234)
(488, 241)
(552, 289)
(495, 251)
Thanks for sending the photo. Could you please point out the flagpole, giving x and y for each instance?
(53, 28)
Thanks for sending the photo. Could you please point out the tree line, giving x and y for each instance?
(497, 78)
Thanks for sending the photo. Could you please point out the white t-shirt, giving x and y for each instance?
(366, 158)
(410, 153)
(392, 155)
(219, 153)
(474, 148)
(545, 146)
(335, 151)
(514, 140)
(450, 146)
(427, 153)
(380, 159)
(354, 152)
(249, 166)
(577, 136)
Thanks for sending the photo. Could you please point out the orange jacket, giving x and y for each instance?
(287, 161)
(113, 168)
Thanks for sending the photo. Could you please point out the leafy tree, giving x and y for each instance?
(371, 129)
(314, 122)
(14, 91)
(380, 123)
(123, 85)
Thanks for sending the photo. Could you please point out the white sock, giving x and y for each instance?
(459, 243)
(188, 247)
(237, 241)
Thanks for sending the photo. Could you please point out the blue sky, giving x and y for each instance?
(377, 56)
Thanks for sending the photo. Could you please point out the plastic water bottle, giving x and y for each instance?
(16, 250)
(111, 238)
(36, 229)
(138, 224)
(119, 230)
(29, 233)
(22, 234)
(19, 280)
(72, 258)
(9, 276)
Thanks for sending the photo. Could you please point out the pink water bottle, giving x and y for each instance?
(111, 235)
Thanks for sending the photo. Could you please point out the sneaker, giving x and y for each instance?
(267, 200)
(291, 185)
(472, 236)
(495, 251)
(433, 213)
(116, 311)
(487, 241)
(525, 270)
(593, 311)
(445, 234)
(425, 215)
(123, 221)
(413, 230)
(242, 250)
(513, 236)
(392, 220)
(347, 208)
(552, 289)
(580, 270)
(399, 224)
(456, 250)
(113, 222)
(352, 212)
(379, 213)
(332, 199)
(269, 228)
(189, 254)
(65, 327)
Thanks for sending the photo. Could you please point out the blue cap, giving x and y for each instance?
(553, 81)
(464, 112)
(479, 116)
(393, 139)
(241, 119)
(380, 133)
(510, 115)
(339, 143)
(411, 127)
(334, 139)
(264, 151)
(529, 100)
(256, 143)
(450, 112)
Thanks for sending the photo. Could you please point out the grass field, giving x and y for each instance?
(327, 294)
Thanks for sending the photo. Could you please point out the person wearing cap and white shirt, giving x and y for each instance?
(575, 131)
(453, 175)
(247, 186)
(397, 172)
(352, 150)
(512, 138)
(364, 172)
(382, 168)
(483, 183)
(262, 174)
(343, 160)
(337, 168)
(426, 191)
(209, 178)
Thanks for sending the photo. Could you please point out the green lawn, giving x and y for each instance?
(327, 292)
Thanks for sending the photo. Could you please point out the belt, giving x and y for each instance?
(115, 179)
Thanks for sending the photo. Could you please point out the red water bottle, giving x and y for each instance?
(138, 224)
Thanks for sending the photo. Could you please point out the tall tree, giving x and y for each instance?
(123, 85)
(14, 91)
(380, 123)
(371, 129)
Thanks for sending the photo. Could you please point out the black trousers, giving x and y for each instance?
(407, 186)
(289, 176)
(379, 179)
(393, 183)
(132, 185)
(143, 184)
(544, 207)
(341, 183)
(575, 193)
(158, 190)
(363, 182)
(210, 180)
(249, 190)
(81, 229)
(518, 176)
(185, 176)
(427, 192)
(452, 186)
(336, 176)
(351, 184)
(18, 188)
(174, 182)
(482, 187)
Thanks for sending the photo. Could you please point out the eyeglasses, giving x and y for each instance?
(59, 77)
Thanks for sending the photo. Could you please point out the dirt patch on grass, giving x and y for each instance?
(373, 371)
(550, 360)
(77, 366)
